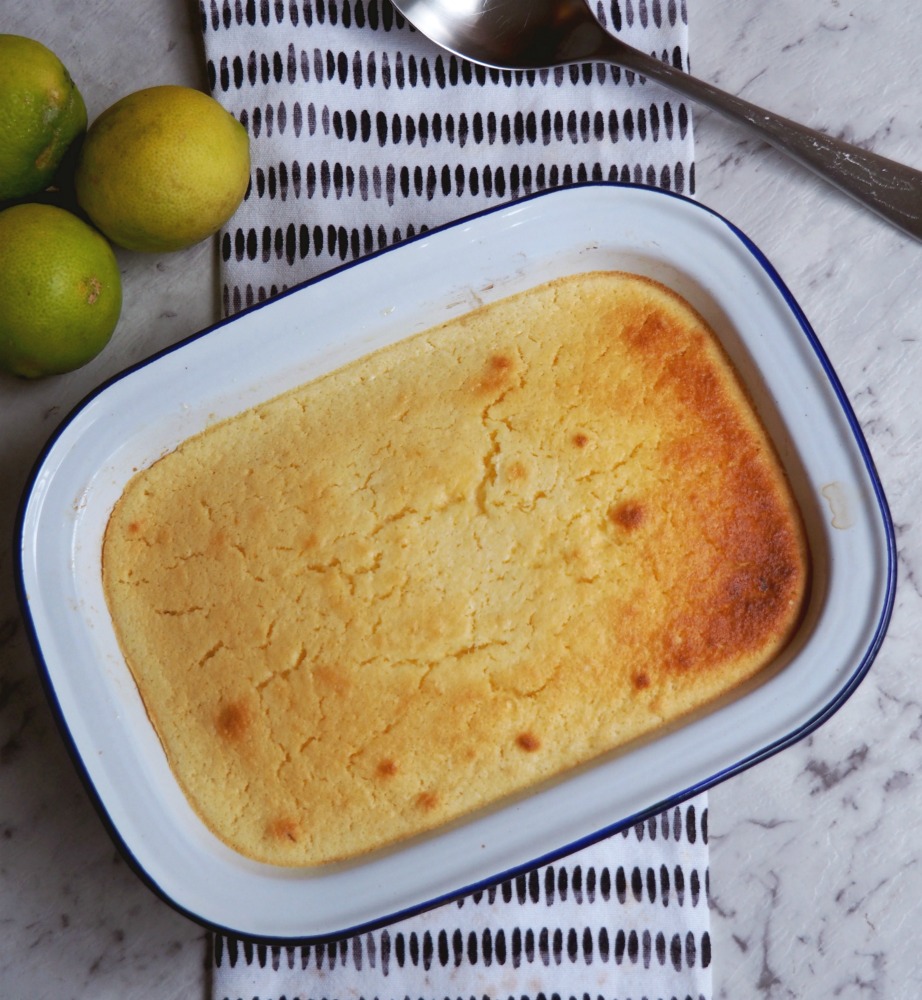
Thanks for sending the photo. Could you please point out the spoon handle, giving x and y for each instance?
(889, 188)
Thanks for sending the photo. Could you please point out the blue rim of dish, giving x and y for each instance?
(828, 710)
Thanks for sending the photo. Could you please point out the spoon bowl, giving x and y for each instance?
(509, 34)
(540, 34)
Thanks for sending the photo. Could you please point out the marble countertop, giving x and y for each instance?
(816, 880)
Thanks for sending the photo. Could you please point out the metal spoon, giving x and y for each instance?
(539, 34)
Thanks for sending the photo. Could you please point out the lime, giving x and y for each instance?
(41, 113)
(162, 169)
(60, 291)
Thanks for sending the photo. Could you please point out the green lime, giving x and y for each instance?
(41, 113)
(60, 291)
(162, 169)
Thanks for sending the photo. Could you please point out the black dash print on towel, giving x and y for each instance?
(389, 950)
(230, 14)
(381, 15)
(681, 822)
(677, 885)
(389, 183)
(543, 127)
(398, 72)
(341, 170)
(373, 70)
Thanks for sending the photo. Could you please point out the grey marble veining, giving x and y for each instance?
(75, 921)
(816, 873)
(816, 856)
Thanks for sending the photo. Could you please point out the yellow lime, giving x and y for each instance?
(60, 291)
(41, 113)
(162, 169)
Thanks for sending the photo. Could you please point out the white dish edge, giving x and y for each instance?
(147, 411)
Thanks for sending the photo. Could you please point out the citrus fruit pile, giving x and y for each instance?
(160, 170)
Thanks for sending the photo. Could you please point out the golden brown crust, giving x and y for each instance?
(453, 569)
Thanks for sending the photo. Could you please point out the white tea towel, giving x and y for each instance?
(365, 133)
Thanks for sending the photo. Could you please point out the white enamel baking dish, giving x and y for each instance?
(148, 410)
